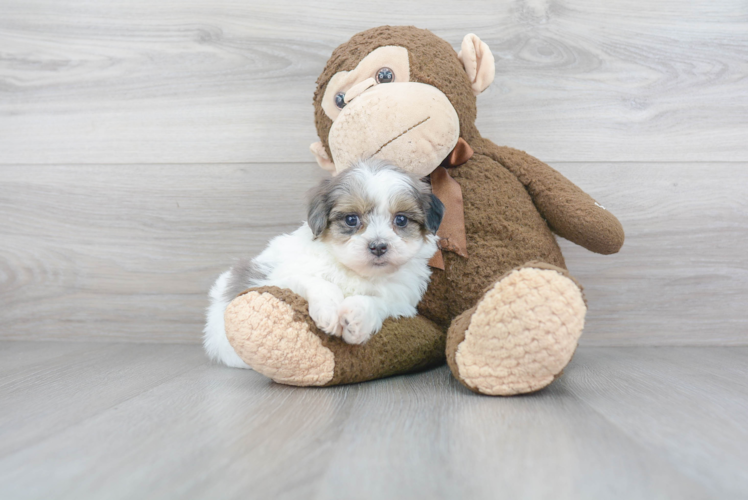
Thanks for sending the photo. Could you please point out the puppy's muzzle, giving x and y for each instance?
(378, 248)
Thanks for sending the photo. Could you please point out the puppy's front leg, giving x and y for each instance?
(361, 317)
(324, 301)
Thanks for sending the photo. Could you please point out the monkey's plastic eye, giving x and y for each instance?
(385, 75)
(340, 100)
(401, 221)
(351, 220)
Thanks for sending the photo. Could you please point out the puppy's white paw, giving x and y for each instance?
(325, 315)
(358, 319)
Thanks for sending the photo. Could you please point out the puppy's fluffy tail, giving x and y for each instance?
(216, 344)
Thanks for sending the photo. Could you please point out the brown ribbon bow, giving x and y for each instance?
(451, 232)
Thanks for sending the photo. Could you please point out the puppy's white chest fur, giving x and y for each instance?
(290, 259)
(361, 258)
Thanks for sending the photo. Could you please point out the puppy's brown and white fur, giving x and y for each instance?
(361, 257)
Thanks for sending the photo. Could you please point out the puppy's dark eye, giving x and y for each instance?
(385, 75)
(401, 221)
(340, 100)
(351, 220)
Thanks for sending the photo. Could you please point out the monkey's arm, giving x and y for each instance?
(570, 212)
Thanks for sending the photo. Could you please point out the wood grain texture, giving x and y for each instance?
(191, 81)
(621, 423)
(62, 387)
(687, 404)
(682, 274)
(129, 252)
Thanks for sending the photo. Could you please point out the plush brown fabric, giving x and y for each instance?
(455, 336)
(433, 61)
(569, 211)
(504, 230)
(513, 203)
(402, 346)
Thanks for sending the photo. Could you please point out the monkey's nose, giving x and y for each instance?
(378, 248)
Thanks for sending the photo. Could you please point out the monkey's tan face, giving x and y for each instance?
(378, 112)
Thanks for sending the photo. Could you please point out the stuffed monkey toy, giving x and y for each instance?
(501, 307)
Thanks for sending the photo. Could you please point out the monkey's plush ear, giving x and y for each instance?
(478, 62)
(318, 150)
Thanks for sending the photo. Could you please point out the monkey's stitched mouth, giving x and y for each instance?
(400, 135)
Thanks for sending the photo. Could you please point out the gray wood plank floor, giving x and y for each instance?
(105, 420)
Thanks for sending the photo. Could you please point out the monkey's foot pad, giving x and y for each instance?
(522, 333)
(273, 339)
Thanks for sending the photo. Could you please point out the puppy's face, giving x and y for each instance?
(375, 217)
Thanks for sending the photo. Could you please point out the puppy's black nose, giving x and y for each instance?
(378, 248)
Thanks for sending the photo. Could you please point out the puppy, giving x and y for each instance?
(361, 257)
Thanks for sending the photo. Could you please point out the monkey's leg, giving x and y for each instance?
(270, 329)
(521, 334)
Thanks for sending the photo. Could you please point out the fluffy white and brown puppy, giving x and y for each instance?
(361, 257)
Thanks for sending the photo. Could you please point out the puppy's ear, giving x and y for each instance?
(319, 208)
(434, 210)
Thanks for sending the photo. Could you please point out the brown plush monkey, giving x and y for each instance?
(501, 306)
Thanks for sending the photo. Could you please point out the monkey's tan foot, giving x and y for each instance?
(271, 336)
(271, 330)
(521, 334)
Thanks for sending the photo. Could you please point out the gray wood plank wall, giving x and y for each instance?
(144, 145)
